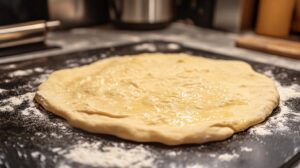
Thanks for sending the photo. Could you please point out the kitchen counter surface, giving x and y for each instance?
(33, 137)
(105, 36)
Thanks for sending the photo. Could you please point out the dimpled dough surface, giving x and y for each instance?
(168, 98)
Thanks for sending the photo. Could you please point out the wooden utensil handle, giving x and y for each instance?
(270, 45)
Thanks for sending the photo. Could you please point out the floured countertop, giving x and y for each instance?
(35, 138)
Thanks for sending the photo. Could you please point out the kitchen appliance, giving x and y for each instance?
(234, 15)
(141, 14)
(41, 139)
(74, 13)
(25, 33)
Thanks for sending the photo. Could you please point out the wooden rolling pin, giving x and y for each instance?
(271, 45)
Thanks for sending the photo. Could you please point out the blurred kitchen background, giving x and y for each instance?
(269, 26)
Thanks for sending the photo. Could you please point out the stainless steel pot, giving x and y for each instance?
(74, 13)
(141, 14)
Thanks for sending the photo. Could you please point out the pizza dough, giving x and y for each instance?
(168, 98)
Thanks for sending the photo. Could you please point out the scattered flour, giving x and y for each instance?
(71, 63)
(172, 165)
(228, 157)
(103, 55)
(15, 100)
(6, 108)
(152, 47)
(1, 159)
(246, 149)
(195, 166)
(62, 165)
(279, 122)
(110, 156)
(35, 154)
(212, 155)
(146, 46)
(56, 150)
(25, 72)
(171, 153)
(41, 79)
(38, 69)
(173, 46)
(21, 73)
(38, 155)
(9, 66)
(87, 60)
(296, 150)
(53, 134)
(269, 73)
(260, 130)
(2, 90)
(11, 103)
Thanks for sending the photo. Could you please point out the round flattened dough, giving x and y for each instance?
(168, 98)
